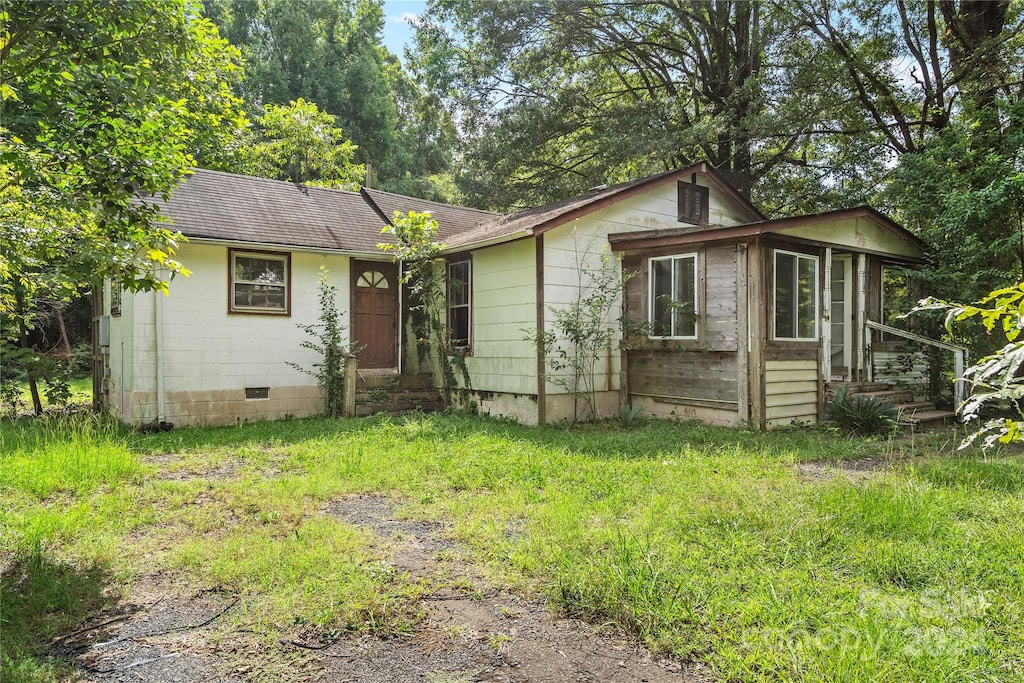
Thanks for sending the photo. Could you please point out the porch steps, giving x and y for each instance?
(911, 413)
(395, 394)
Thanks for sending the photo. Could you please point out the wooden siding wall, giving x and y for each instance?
(689, 378)
(905, 368)
(791, 389)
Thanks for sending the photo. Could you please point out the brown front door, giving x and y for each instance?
(375, 313)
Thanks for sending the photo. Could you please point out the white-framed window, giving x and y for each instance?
(795, 296)
(259, 282)
(460, 280)
(672, 301)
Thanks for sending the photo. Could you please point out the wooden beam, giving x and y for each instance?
(541, 358)
(757, 321)
(742, 335)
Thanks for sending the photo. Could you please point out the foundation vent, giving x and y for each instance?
(256, 392)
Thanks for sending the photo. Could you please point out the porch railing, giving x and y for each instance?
(959, 355)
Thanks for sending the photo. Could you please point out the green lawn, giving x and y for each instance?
(81, 392)
(708, 544)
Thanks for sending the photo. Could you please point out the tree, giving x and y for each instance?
(301, 144)
(996, 381)
(330, 52)
(103, 106)
(419, 251)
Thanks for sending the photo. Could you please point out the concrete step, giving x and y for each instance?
(397, 401)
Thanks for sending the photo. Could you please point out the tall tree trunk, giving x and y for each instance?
(33, 367)
(64, 341)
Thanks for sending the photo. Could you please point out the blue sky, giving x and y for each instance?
(397, 31)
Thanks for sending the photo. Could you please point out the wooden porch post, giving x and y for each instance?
(862, 289)
(756, 325)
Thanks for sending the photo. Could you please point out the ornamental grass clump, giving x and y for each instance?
(859, 414)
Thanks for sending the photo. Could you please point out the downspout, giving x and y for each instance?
(158, 320)
(401, 316)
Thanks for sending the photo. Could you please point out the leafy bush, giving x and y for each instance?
(860, 414)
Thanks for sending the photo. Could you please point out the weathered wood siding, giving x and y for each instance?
(859, 234)
(572, 249)
(696, 379)
(791, 391)
(904, 368)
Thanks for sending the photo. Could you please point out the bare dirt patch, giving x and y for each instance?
(856, 470)
(470, 631)
(475, 632)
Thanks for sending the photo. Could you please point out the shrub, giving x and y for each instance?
(859, 414)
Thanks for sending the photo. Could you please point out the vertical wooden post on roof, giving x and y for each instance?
(756, 307)
(742, 336)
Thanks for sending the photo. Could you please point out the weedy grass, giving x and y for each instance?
(705, 543)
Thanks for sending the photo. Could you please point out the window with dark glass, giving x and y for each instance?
(796, 296)
(259, 282)
(673, 297)
(459, 282)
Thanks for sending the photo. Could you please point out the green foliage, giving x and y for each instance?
(629, 413)
(856, 414)
(301, 144)
(419, 251)
(996, 382)
(719, 546)
(328, 341)
(583, 330)
(330, 52)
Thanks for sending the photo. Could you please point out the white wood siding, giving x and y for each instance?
(504, 311)
(571, 249)
(791, 391)
(210, 357)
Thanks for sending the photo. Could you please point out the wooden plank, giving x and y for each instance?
(801, 375)
(743, 336)
(792, 351)
(805, 410)
(777, 365)
(803, 399)
(792, 388)
(756, 324)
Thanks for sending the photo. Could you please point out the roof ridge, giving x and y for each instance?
(430, 201)
(301, 186)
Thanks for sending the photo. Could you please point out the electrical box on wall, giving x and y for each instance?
(103, 332)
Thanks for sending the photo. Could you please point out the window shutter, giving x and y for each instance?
(692, 203)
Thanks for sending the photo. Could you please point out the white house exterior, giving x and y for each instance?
(223, 346)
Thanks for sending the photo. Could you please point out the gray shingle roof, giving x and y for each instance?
(451, 220)
(237, 208)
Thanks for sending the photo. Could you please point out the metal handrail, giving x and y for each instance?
(959, 354)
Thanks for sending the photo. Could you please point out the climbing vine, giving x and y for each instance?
(419, 251)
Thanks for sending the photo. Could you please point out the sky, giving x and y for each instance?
(397, 31)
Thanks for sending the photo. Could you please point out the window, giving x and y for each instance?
(260, 282)
(673, 297)
(796, 296)
(692, 203)
(460, 275)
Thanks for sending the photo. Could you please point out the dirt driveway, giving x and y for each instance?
(475, 632)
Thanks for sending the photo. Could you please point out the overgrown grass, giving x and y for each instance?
(81, 392)
(706, 543)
